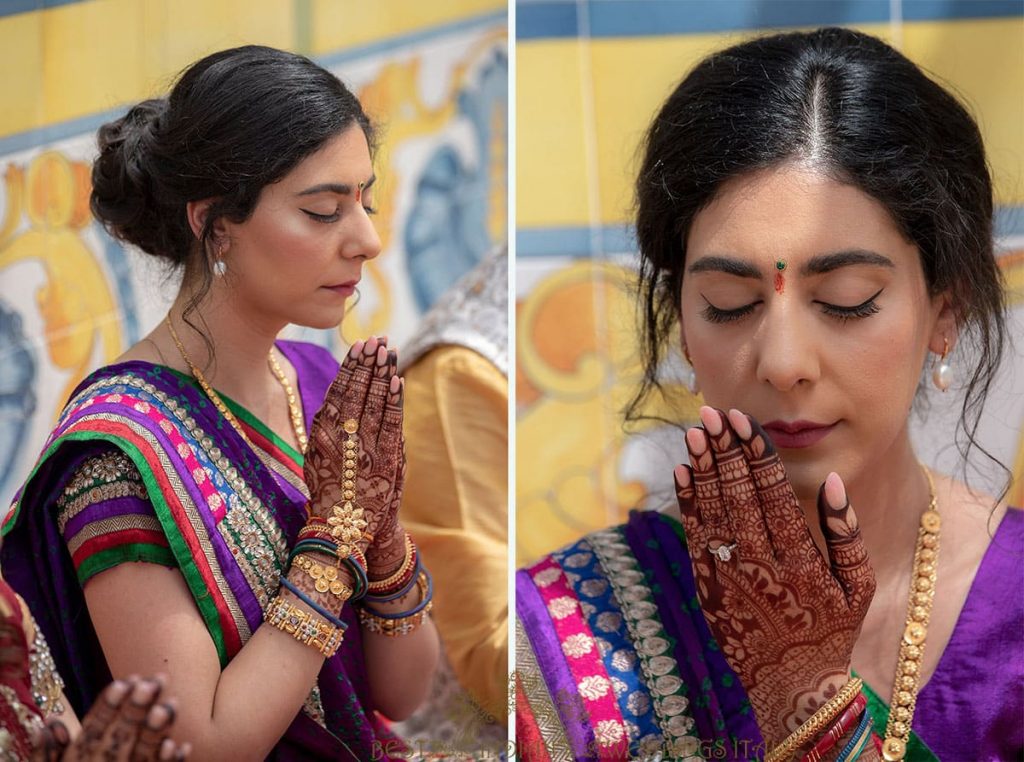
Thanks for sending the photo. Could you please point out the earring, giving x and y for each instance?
(690, 376)
(219, 265)
(942, 376)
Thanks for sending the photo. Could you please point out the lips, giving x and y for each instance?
(345, 289)
(797, 434)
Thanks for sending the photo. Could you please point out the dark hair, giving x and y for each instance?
(858, 110)
(235, 121)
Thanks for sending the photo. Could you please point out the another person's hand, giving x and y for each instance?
(785, 618)
(365, 395)
(127, 723)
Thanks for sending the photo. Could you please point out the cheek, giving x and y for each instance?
(276, 243)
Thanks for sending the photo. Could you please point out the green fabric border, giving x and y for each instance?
(132, 551)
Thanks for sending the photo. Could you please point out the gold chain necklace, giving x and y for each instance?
(293, 409)
(919, 611)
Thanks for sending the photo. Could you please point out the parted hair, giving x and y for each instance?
(856, 109)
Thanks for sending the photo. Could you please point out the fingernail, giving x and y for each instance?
(682, 474)
(167, 749)
(382, 356)
(116, 692)
(395, 384)
(370, 346)
(740, 424)
(60, 732)
(712, 420)
(143, 692)
(357, 348)
(158, 717)
(835, 492)
(697, 440)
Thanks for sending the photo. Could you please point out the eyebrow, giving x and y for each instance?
(825, 263)
(342, 189)
(818, 265)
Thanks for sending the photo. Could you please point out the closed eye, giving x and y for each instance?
(324, 217)
(864, 309)
(867, 308)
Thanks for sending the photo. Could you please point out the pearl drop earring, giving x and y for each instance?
(219, 265)
(942, 375)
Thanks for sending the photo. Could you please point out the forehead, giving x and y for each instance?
(345, 158)
(793, 212)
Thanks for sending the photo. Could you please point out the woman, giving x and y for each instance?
(190, 524)
(817, 216)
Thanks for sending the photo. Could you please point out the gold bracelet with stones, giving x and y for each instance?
(304, 627)
(919, 611)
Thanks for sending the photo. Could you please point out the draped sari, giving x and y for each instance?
(228, 512)
(615, 660)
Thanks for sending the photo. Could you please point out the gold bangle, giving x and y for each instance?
(325, 577)
(817, 721)
(304, 627)
(407, 564)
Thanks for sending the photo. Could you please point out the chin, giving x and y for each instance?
(321, 321)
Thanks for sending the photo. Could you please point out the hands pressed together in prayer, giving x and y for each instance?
(786, 617)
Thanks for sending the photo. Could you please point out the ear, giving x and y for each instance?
(946, 327)
(196, 213)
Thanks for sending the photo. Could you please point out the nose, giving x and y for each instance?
(361, 240)
(786, 347)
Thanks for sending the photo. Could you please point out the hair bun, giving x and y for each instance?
(123, 188)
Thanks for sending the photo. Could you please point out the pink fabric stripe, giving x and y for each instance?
(596, 692)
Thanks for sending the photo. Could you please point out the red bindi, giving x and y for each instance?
(780, 281)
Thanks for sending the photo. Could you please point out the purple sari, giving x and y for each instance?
(229, 511)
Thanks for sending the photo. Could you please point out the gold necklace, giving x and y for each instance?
(294, 412)
(298, 426)
(919, 611)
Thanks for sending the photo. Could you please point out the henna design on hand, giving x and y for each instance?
(786, 620)
(368, 391)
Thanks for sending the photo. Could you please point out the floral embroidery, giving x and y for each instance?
(577, 645)
(594, 687)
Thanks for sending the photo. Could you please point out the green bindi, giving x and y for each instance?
(780, 264)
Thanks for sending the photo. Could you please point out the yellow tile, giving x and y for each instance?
(337, 24)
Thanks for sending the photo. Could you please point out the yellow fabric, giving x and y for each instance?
(455, 506)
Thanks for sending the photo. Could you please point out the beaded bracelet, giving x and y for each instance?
(401, 592)
(313, 605)
(304, 627)
(840, 728)
(860, 739)
(403, 623)
(817, 722)
(402, 576)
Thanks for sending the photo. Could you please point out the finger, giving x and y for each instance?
(791, 540)
(376, 395)
(154, 731)
(103, 712)
(167, 749)
(701, 560)
(708, 488)
(391, 421)
(739, 495)
(332, 400)
(353, 398)
(848, 558)
(124, 731)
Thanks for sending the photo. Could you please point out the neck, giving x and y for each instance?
(888, 497)
(241, 340)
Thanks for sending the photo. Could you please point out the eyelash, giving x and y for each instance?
(865, 309)
(328, 218)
